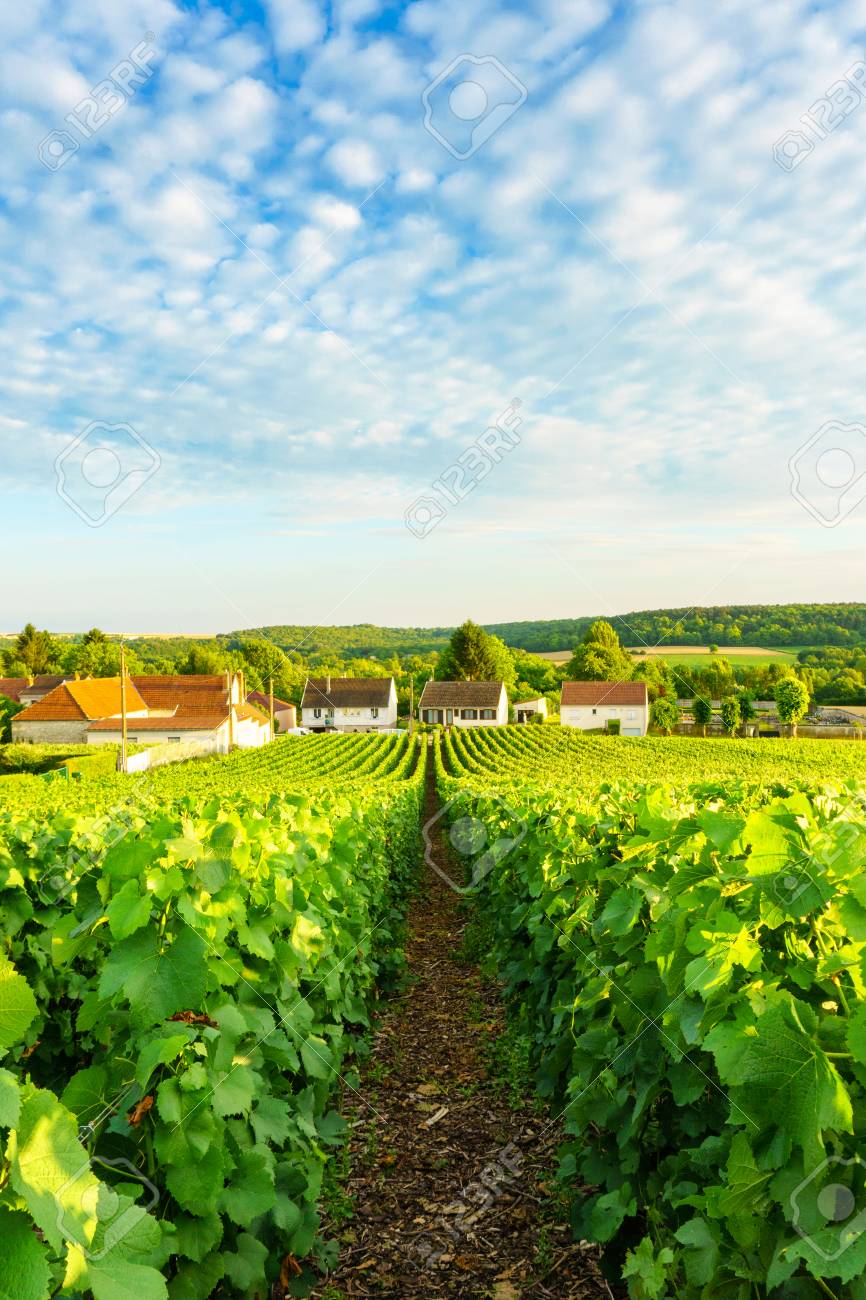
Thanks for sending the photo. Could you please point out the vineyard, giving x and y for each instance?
(190, 958)
(687, 961)
(185, 959)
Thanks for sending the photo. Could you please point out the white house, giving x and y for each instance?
(349, 704)
(525, 709)
(591, 705)
(464, 704)
(285, 714)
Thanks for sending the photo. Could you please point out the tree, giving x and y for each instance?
(730, 710)
(702, 712)
(94, 637)
(473, 655)
(8, 709)
(792, 701)
(747, 709)
(665, 714)
(38, 651)
(600, 657)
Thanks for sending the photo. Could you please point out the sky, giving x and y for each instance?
(351, 312)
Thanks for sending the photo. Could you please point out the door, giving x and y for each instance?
(449, 717)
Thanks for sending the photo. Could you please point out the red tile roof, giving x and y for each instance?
(12, 687)
(195, 722)
(92, 698)
(603, 693)
(263, 701)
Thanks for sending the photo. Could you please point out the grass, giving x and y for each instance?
(700, 658)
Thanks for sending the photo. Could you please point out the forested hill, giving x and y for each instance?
(765, 625)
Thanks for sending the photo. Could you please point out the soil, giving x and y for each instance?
(450, 1189)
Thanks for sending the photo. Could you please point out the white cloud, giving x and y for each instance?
(355, 163)
(295, 24)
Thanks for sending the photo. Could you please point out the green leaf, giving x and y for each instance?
(784, 1078)
(317, 1057)
(10, 1103)
(115, 1263)
(856, 1032)
(158, 977)
(250, 1191)
(196, 1237)
(51, 1170)
(647, 1271)
(24, 1272)
(17, 1005)
(159, 1051)
(702, 1253)
(128, 910)
(246, 1268)
(195, 1184)
(234, 1093)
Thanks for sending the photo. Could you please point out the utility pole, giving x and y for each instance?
(271, 702)
(123, 758)
(411, 702)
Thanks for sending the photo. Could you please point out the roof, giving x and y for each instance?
(43, 683)
(347, 692)
(604, 693)
(92, 698)
(264, 701)
(12, 687)
(461, 695)
(194, 722)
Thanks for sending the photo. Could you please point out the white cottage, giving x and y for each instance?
(349, 704)
(593, 705)
(464, 704)
(525, 710)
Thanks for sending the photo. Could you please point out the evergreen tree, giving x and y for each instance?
(473, 655)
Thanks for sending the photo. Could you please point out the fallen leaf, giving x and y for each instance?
(194, 1018)
(138, 1112)
(505, 1291)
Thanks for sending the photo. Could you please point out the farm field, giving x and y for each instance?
(679, 929)
(697, 656)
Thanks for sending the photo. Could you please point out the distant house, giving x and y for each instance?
(526, 709)
(29, 690)
(285, 714)
(591, 705)
(207, 709)
(464, 704)
(349, 704)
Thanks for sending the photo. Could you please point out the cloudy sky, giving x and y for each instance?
(344, 312)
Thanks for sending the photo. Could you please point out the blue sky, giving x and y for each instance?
(279, 304)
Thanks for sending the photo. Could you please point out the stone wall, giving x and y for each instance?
(50, 733)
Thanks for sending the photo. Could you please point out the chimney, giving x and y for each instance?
(328, 684)
(29, 679)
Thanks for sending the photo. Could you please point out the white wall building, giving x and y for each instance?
(349, 704)
(525, 709)
(464, 704)
(592, 705)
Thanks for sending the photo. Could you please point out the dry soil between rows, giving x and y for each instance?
(450, 1180)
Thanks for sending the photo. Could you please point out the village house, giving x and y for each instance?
(525, 710)
(349, 704)
(29, 690)
(464, 704)
(595, 705)
(207, 710)
(285, 714)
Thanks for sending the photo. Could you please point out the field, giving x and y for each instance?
(678, 928)
(693, 656)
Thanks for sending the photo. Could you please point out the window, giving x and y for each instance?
(594, 712)
(317, 713)
(631, 713)
(488, 713)
(173, 738)
(374, 713)
(470, 713)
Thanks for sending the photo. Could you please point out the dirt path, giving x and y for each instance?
(449, 1189)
